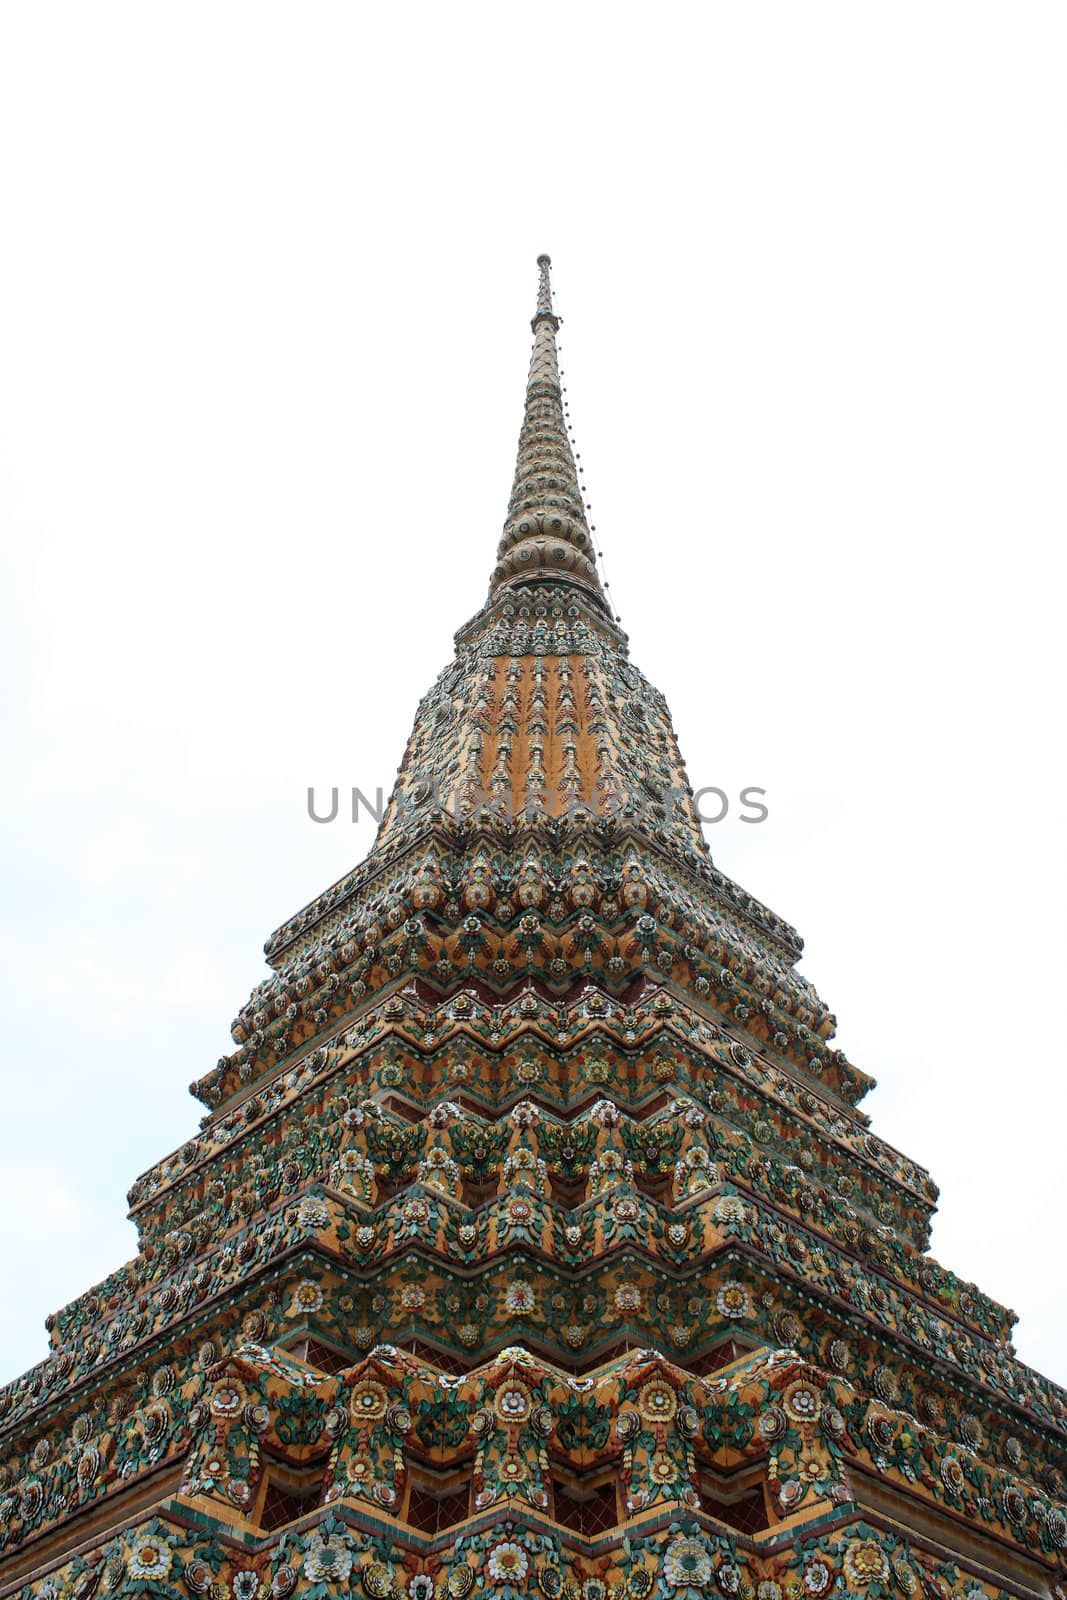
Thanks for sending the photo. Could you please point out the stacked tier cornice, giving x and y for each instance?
(654, 1180)
(771, 1465)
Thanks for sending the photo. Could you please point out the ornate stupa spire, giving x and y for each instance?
(534, 1242)
(546, 534)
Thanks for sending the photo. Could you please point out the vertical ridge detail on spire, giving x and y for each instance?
(546, 534)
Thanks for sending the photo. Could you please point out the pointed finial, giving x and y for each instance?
(546, 536)
(544, 312)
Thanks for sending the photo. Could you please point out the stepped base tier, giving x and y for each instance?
(533, 1242)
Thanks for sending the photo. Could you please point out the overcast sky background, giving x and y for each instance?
(265, 288)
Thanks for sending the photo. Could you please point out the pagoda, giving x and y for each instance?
(534, 1242)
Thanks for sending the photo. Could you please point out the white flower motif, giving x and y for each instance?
(627, 1297)
(327, 1561)
(816, 1578)
(507, 1563)
(307, 1297)
(520, 1297)
(728, 1577)
(150, 1558)
(687, 1564)
(733, 1300)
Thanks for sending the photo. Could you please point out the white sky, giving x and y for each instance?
(265, 288)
